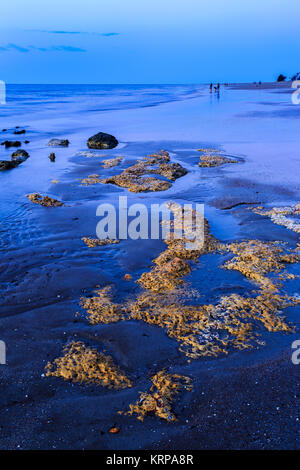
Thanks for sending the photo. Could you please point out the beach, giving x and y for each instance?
(245, 394)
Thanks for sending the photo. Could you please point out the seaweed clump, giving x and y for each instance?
(255, 259)
(210, 160)
(83, 364)
(101, 309)
(278, 215)
(112, 162)
(133, 178)
(93, 242)
(44, 201)
(91, 179)
(159, 399)
(189, 238)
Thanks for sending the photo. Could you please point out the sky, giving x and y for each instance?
(148, 41)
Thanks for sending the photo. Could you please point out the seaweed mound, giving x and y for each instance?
(83, 364)
(101, 309)
(160, 397)
(134, 177)
(210, 160)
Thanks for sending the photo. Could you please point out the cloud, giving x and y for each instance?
(72, 32)
(15, 47)
(109, 34)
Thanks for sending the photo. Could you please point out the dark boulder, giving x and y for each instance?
(10, 143)
(102, 141)
(281, 78)
(20, 132)
(58, 143)
(19, 156)
(52, 157)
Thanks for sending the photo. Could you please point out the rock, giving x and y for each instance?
(58, 143)
(19, 156)
(7, 164)
(20, 132)
(102, 141)
(4, 130)
(10, 143)
(52, 157)
(281, 78)
(26, 141)
(296, 77)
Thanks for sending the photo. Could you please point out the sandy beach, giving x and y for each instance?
(245, 388)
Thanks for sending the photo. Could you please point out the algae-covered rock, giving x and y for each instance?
(102, 141)
(58, 143)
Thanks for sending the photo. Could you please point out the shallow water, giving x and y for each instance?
(46, 268)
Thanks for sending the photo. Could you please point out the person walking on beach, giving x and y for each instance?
(210, 87)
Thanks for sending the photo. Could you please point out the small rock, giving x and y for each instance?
(26, 141)
(114, 430)
(58, 143)
(20, 132)
(52, 157)
(127, 277)
(19, 156)
(102, 141)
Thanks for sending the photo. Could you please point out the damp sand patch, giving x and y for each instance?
(158, 401)
(45, 201)
(86, 365)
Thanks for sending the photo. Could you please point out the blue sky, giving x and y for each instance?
(148, 41)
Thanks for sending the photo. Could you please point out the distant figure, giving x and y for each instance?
(218, 86)
(210, 87)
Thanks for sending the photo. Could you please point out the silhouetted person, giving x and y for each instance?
(210, 87)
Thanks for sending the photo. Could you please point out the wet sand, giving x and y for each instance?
(247, 399)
